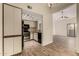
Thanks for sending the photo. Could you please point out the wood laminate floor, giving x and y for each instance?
(32, 48)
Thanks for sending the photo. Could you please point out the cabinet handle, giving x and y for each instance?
(9, 36)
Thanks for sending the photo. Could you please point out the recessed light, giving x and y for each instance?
(29, 7)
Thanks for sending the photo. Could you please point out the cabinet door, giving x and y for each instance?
(17, 45)
(0, 46)
(8, 46)
(17, 31)
(36, 36)
(17, 22)
(12, 30)
(12, 46)
(8, 20)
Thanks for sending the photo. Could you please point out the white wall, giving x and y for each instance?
(77, 40)
(0, 29)
(60, 25)
(41, 8)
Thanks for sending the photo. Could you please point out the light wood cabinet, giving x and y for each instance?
(17, 45)
(1, 29)
(17, 22)
(1, 46)
(8, 20)
(12, 30)
(12, 46)
(8, 46)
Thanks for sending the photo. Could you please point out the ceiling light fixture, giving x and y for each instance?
(50, 5)
(29, 7)
(63, 15)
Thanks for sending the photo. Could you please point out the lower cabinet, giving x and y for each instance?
(17, 45)
(8, 46)
(40, 37)
(0, 46)
(12, 46)
(36, 36)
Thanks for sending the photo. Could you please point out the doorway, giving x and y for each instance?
(31, 28)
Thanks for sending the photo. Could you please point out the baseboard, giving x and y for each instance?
(77, 52)
(34, 40)
(17, 54)
(44, 44)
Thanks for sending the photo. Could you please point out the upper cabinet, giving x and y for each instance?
(12, 20)
(8, 20)
(17, 22)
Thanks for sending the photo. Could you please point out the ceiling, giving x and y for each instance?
(59, 6)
